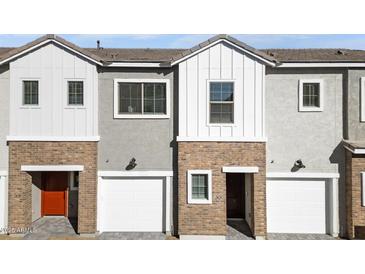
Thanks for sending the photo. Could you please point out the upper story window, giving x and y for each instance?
(147, 98)
(30, 93)
(75, 93)
(311, 95)
(221, 101)
(199, 186)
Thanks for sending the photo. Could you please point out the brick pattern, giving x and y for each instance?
(355, 164)
(52, 153)
(211, 219)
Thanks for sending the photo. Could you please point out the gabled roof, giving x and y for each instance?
(8, 54)
(223, 37)
(316, 55)
(170, 57)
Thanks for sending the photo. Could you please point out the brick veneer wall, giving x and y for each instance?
(355, 164)
(195, 219)
(52, 153)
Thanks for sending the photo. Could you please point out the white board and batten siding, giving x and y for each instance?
(221, 62)
(53, 66)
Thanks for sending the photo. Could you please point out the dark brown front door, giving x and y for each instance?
(54, 193)
(235, 195)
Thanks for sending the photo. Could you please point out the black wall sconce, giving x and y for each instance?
(132, 164)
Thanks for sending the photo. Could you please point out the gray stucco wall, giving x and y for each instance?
(147, 140)
(355, 128)
(4, 116)
(313, 137)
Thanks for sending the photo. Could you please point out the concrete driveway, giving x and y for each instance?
(62, 228)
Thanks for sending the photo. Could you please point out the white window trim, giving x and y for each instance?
(321, 95)
(72, 181)
(66, 104)
(190, 186)
(117, 115)
(362, 100)
(22, 105)
(362, 188)
(209, 124)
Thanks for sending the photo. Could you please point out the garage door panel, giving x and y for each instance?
(131, 204)
(296, 206)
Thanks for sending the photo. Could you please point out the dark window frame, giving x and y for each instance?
(32, 94)
(222, 103)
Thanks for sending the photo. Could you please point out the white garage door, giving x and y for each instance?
(3, 203)
(130, 205)
(296, 206)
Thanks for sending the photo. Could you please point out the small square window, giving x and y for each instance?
(30, 93)
(76, 93)
(199, 187)
(311, 95)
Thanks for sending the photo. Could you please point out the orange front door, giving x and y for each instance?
(54, 193)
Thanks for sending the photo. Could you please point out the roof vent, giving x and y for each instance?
(340, 52)
(98, 44)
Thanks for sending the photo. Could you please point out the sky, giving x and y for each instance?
(351, 41)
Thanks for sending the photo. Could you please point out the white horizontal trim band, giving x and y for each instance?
(301, 175)
(240, 169)
(3, 173)
(52, 168)
(136, 64)
(148, 173)
(220, 139)
(356, 150)
(54, 138)
(319, 65)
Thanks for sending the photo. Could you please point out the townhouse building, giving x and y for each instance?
(181, 141)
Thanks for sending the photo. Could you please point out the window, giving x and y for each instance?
(75, 93)
(311, 95)
(199, 187)
(221, 102)
(74, 180)
(141, 99)
(30, 93)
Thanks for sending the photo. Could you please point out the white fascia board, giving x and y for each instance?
(228, 42)
(52, 168)
(240, 169)
(302, 175)
(135, 64)
(44, 43)
(319, 65)
(143, 173)
(221, 139)
(356, 150)
(3, 173)
(54, 138)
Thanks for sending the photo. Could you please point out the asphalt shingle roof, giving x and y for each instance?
(316, 55)
(107, 55)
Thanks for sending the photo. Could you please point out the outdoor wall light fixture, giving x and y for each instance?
(132, 164)
(299, 164)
